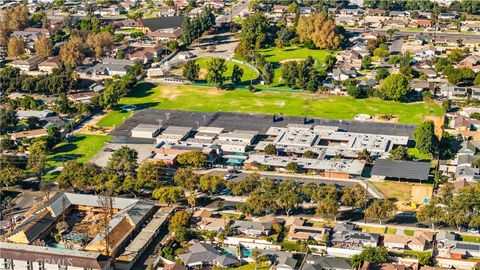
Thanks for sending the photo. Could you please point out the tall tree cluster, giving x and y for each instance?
(193, 29)
(302, 74)
(321, 30)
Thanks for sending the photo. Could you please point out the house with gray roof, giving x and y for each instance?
(202, 254)
(345, 236)
(252, 228)
(317, 262)
(400, 169)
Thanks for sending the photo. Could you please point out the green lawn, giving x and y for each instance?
(203, 98)
(408, 232)
(276, 56)
(81, 147)
(371, 229)
(251, 266)
(248, 73)
(415, 154)
(469, 238)
(291, 246)
(391, 230)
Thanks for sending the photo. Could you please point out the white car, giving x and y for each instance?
(228, 177)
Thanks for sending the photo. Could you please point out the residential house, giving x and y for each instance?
(318, 262)
(447, 16)
(82, 97)
(461, 123)
(24, 114)
(341, 74)
(252, 228)
(280, 260)
(279, 8)
(471, 62)
(451, 91)
(420, 23)
(28, 134)
(398, 14)
(351, 11)
(461, 250)
(345, 236)
(49, 65)
(382, 266)
(375, 12)
(162, 28)
(470, 26)
(202, 254)
(420, 241)
(112, 66)
(302, 232)
(421, 85)
(28, 64)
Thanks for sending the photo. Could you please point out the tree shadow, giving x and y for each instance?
(141, 90)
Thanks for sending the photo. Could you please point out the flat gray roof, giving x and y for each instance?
(414, 170)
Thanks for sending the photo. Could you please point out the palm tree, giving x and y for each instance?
(256, 255)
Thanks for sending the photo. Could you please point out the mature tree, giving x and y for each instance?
(255, 31)
(267, 73)
(381, 209)
(211, 183)
(365, 155)
(477, 79)
(72, 52)
(320, 29)
(37, 157)
(194, 158)
(99, 43)
(288, 197)
(172, 45)
(328, 208)
(425, 258)
(237, 73)
(80, 176)
(16, 17)
(381, 74)
(461, 75)
(425, 138)
(10, 174)
(366, 62)
(381, 53)
(355, 91)
(186, 178)
(16, 47)
(8, 120)
(293, 167)
(245, 186)
(46, 187)
(168, 195)
(270, 149)
(370, 254)
(179, 221)
(353, 196)
(394, 87)
(151, 172)
(192, 200)
(43, 46)
(309, 154)
(430, 212)
(191, 70)
(216, 69)
(330, 62)
(399, 153)
(123, 161)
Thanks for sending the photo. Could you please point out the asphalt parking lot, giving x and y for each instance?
(259, 122)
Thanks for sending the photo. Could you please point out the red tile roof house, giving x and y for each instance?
(471, 62)
(421, 23)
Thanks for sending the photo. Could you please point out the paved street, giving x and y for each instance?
(413, 33)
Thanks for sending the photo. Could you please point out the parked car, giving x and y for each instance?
(421, 225)
(227, 177)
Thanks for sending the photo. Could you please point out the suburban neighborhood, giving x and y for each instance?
(240, 134)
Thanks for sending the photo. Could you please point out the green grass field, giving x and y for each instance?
(469, 238)
(276, 56)
(248, 73)
(81, 147)
(207, 99)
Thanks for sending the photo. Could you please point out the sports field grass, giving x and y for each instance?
(80, 147)
(248, 73)
(276, 56)
(404, 191)
(208, 99)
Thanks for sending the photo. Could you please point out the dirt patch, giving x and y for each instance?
(421, 192)
(202, 74)
(290, 60)
(405, 194)
(170, 92)
(95, 130)
(438, 122)
(281, 103)
(385, 118)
